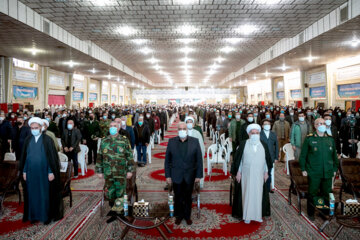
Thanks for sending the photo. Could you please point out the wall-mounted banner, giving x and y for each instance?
(269, 95)
(25, 76)
(56, 80)
(78, 96)
(279, 84)
(348, 73)
(113, 98)
(80, 85)
(92, 96)
(318, 92)
(316, 78)
(295, 94)
(20, 92)
(349, 90)
(104, 97)
(93, 87)
(280, 95)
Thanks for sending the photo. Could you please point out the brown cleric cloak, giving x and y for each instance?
(237, 196)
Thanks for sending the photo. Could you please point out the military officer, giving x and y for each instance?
(318, 160)
(104, 125)
(116, 163)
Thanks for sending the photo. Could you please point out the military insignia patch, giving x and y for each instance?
(105, 150)
(120, 149)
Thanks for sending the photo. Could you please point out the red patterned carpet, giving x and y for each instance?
(83, 220)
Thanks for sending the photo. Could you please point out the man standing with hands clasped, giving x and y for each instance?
(318, 160)
(183, 167)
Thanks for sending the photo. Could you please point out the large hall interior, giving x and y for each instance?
(179, 119)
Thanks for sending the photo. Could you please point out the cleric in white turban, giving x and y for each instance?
(40, 168)
(250, 168)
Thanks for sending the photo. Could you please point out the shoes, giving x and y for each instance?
(113, 218)
(247, 221)
(189, 222)
(178, 221)
(75, 176)
(141, 164)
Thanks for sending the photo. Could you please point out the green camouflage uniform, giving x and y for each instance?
(116, 159)
(104, 127)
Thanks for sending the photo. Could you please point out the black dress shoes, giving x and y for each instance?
(178, 221)
(189, 222)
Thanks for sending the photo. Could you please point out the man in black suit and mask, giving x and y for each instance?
(183, 167)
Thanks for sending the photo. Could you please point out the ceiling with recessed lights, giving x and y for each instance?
(192, 42)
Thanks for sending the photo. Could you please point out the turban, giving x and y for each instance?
(35, 120)
(253, 126)
(189, 118)
(45, 122)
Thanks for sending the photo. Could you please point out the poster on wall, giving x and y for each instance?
(349, 90)
(78, 96)
(104, 97)
(316, 78)
(269, 95)
(92, 87)
(348, 73)
(92, 96)
(280, 84)
(20, 92)
(79, 84)
(174, 101)
(113, 98)
(25, 76)
(318, 92)
(56, 80)
(295, 94)
(280, 95)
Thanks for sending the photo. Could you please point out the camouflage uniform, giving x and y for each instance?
(104, 127)
(116, 159)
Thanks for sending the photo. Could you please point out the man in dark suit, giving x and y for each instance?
(270, 139)
(291, 118)
(183, 167)
(92, 133)
(70, 141)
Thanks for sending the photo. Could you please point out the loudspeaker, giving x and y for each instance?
(67, 88)
(306, 85)
(186, 88)
(305, 99)
(73, 88)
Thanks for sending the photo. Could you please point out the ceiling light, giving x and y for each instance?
(186, 29)
(254, 77)
(139, 41)
(246, 29)
(186, 40)
(284, 67)
(266, 73)
(211, 72)
(233, 40)
(187, 72)
(145, 50)
(153, 60)
(268, 1)
(355, 42)
(102, 3)
(219, 59)
(123, 82)
(93, 70)
(214, 66)
(227, 49)
(186, 66)
(186, 50)
(126, 30)
(34, 51)
(185, 2)
(71, 63)
(310, 58)
(132, 84)
(186, 60)
(109, 76)
(118, 79)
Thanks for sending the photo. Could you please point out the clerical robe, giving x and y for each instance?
(42, 198)
(245, 151)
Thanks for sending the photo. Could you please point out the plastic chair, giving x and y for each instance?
(215, 136)
(222, 140)
(211, 132)
(289, 154)
(82, 155)
(59, 142)
(152, 141)
(62, 157)
(135, 155)
(148, 152)
(159, 136)
(98, 145)
(215, 155)
(228, 145)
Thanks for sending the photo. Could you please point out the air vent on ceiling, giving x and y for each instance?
(301, 38)
(46, 27)
(344, 13)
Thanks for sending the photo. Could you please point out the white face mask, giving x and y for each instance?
(237, 116)
(182, 134)
(328, 122)
(267, 127)
(123, 123)
(189, 126)
(254, 138)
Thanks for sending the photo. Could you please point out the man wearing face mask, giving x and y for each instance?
(62, 122)
(282, 130)
(250, 170)
(126, 130)
(183, 167)
(156, 126)
(116, 164)
(234, 130)
(243, 134)
(269, 137)
(291, 118)
(192, 132)
(40, 172)
(318, 160)
(142, 140)
(150, 122)
(91, 135)
(22, 131)
(70, 142)
(104, 125)
(332, 131)
(299, 131)
(350, 136)
(6, 132)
